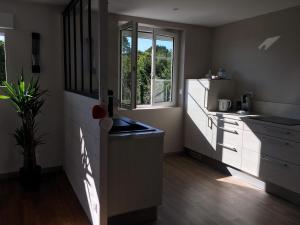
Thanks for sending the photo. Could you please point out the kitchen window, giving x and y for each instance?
(148, 66)
(2, 59)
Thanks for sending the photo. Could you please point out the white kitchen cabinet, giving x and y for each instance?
(283, 132)
(250, 162)
(197, 137)
(266, 150)
(135, 171)
(227, 143)
(201, 96)
(280, 149)
(206, 92)
(228, 123)
(271, 152)
(280, 172)
(251, 141)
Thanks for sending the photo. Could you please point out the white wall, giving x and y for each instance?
(194, 60)
(273, 73)
(167, 119)
(44, 19)
(82, 152)
(84, 163)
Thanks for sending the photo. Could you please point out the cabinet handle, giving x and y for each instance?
(274, 161)
(229, 122)
(227, 147)
(227, 130)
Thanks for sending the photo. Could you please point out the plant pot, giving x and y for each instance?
(30, 178)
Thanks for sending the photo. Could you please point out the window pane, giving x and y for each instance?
(2, 59)
(78, 46)
(163, 69)
(67, 57)
(86, 47)
(94, 32)
(81, 44)
(144, 58)
(126, 51)
(72, 50)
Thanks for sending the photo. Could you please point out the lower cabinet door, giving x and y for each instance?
(279, 172)
(250, 162)
(196, 135)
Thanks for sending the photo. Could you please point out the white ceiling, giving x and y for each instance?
(199, 12)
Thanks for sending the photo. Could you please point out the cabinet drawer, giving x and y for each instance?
(281, 149)
(275, 147)
(228, 123)
(281, 173)
(230, 137)
(230, 155)
(283, 133)
(228, 145)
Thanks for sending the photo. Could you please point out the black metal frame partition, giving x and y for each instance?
(67, 23)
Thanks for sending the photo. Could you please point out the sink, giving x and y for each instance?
(128, 126)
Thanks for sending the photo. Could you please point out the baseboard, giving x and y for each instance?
(167, 154)
(268, 187)
(283, 193)
(142, 216)
(45, 172)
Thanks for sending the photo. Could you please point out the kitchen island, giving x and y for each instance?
(135, 172)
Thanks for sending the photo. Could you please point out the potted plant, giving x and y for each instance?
(27, 101)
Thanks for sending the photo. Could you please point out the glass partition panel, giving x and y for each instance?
(94, 46)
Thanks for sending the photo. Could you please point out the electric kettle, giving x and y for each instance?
(224, 105)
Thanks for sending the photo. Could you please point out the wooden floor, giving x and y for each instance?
(194, 194)
(55, 204)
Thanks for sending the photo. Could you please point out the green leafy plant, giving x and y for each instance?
(27, 101)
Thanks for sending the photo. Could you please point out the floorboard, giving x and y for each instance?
(194, 194)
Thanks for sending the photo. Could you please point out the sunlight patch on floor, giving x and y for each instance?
(237, 181)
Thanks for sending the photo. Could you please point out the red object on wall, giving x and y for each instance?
(99, 112)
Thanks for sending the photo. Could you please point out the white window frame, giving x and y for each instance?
(155, 31)
(125, 26)
(3, 34)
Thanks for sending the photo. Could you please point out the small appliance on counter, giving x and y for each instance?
(224, 105)
(246, 102)
(221, 73)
